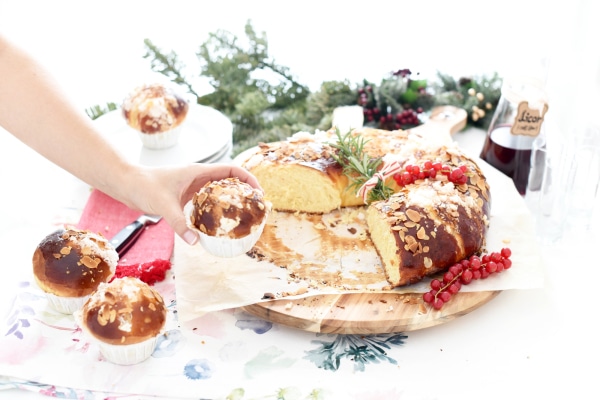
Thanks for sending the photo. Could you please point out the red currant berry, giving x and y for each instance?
(448, 277)
(428, 297)
(453, 289)
(500, 266)
(495, 256)
(455, 269)
(456, 174)
(466, 277)
(445, 296)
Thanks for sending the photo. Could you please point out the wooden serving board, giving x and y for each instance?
(372, 313)
(366, 313)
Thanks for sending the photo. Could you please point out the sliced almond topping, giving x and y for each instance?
(427, 262)
(421, 234)
(112, 315)
(414, 247)
(90, 262)
(413, 215)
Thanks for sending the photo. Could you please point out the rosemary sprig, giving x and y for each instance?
(358, 165)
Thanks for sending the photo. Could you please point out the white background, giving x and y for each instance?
(95, 48)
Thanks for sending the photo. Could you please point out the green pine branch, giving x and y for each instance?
(266, 102)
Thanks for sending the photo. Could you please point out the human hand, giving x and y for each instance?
(165, 190)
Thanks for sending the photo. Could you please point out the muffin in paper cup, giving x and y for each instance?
(69, 264)
(229, 216)
(125, 318)
(157, 112)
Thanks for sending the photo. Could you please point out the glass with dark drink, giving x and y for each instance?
(515, 125)
(510, 154)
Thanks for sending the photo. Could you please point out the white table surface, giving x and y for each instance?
(538, 343)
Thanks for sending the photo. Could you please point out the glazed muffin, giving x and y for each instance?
(69, 264)
(157, 113)
(229, 215)
(125, 317)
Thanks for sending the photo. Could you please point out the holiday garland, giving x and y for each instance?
(263, 111)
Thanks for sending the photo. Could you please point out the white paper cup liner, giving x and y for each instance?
(163, 140)
(227, 247)
(65, 305)
(128, 354)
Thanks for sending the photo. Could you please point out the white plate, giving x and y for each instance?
(206, 137)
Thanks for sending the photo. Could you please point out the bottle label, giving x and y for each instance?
(528, 121)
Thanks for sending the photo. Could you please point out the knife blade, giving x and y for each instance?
(127, 236)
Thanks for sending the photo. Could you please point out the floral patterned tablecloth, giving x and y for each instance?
(231, 354)
(228, 354)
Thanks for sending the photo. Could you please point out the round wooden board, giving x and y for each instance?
(366, 313)
(374, 313)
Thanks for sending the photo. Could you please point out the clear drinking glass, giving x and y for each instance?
(582, 183)
(563, 192)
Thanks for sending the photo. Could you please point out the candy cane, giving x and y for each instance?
(381, 175)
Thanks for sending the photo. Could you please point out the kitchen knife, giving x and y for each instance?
(123, 240)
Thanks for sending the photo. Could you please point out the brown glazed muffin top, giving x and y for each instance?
(124, 311)
(154, 108)
(228, 208)
(72, 262)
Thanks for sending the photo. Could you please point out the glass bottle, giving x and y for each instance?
(516, 123)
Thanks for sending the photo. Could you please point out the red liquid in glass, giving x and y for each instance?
(510, 154)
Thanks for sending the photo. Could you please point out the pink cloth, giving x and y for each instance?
(149, 257)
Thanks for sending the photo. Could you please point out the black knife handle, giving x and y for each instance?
(123, 240)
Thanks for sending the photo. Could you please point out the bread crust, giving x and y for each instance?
(301, 175)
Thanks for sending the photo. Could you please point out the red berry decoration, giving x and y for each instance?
(465, 272)
(411, 173)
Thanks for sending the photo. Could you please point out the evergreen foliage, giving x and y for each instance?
(266, 102)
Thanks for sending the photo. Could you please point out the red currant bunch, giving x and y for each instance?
(430, 170)
(408, 117)
(366, 99)
(465, 272)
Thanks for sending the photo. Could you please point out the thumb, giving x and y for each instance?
(179, 225)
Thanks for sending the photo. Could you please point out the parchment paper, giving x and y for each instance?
(207, 283)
